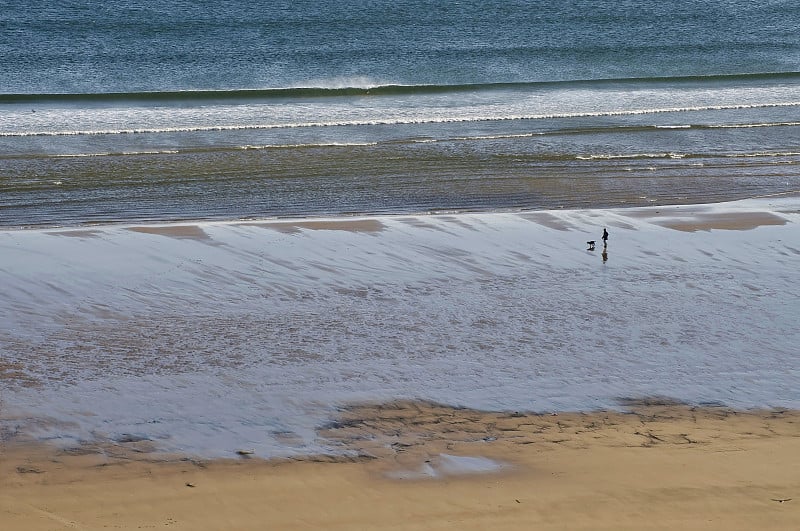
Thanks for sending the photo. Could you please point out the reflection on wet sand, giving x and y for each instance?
(488, 310)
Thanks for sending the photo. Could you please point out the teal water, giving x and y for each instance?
(80, 46)
(137, 111)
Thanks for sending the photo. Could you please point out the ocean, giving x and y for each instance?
(162, 111)
(221, 222)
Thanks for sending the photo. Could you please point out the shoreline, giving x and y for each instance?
(161, 359)
(368, 220)
(208, 338)
(420, 465)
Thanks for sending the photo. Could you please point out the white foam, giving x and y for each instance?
(481, 106)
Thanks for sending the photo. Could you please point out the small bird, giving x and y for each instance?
(781, 500)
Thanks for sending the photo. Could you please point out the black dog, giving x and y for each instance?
(591, 245)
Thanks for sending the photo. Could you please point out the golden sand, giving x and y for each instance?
(659, 466)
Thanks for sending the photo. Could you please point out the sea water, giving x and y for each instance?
(154, 111)
(226, 335)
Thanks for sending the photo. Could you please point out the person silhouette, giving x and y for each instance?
(605, 237)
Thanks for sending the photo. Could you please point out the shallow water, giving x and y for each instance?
(232, 336)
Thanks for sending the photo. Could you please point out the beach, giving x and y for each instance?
(445, 371)
(659, 465)
(339, 266)
(207, 337)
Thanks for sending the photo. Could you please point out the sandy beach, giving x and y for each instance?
(288, 374)
(422, 466)
(478, 265)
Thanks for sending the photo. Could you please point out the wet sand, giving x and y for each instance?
(692, 218)
(191, 232)
(418, 465)
(123, 343)
(206, 337)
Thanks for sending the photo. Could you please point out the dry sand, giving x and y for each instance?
(415, 465)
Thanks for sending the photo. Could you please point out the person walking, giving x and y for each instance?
(605, 237)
